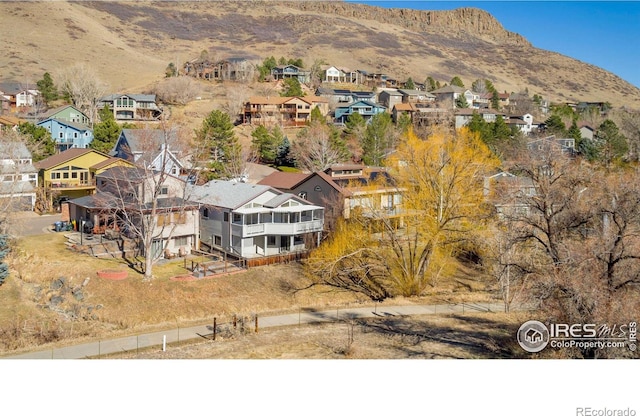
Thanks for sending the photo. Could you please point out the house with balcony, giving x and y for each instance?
(250, 221)
(342, 189)
(71, 173)
(367, 109)
(132, 107)
(340, 75)
(19, 177)
(133, 202)
(464, 115)
(68, 134)
(389, 98)
(18, 96)
(285, 111)
(282, 72)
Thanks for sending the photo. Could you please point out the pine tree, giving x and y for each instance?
(48, 91)
(4, 250)
(105, 133)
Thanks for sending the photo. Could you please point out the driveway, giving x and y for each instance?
(29, 223)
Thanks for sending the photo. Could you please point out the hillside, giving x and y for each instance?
(129, 44)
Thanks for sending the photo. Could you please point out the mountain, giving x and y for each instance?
(129, 44)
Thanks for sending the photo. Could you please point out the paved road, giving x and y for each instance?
(132, 343)
(30, 223)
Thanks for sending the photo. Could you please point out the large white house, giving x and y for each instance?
(248, 221)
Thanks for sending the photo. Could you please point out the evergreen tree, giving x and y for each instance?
(284, 157)
(4, 250)
(495, 100)
(612, 145)
(39, 141)
(410, 85)
(316, 116)
(479, 125)
(266, 143)
(105, 133)
(461, 101)
(501, 130)
(431, 84)
(457, 82)
(377, 140)
(264, 70)
(292, 88)
(171, 70)
(574, 132)
(404, 122)
(216, 142)
(48, 91)
(555, 125)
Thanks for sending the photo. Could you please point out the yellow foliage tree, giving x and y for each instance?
(440, 178)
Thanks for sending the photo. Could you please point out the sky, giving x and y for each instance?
(602, 33)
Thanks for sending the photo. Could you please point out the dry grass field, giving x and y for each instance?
(55, 298)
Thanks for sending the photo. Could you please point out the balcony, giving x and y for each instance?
(296, 228)
(70, 184)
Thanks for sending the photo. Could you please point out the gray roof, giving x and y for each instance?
(73, 125)
(226, 194)
(144, 140)
(137, 97)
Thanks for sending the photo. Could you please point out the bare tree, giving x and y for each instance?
(315, 149)
(236, 95)
(150, 204)
(177, 90)
(83, 87)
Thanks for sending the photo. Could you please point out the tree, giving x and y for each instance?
(440, 180)
(461, 101)
(495, 100)
(317, 147)
(378, 140)
(457, 82)
(48, 90)
(266, 143)
(284, 157)
(105, 133)
(431, 84)
(38, 140)
(555, 125)
(403, 123)
(217, 144)
(81, 86)
(177, 90)
(4, 250)
(410, 85)
(580, 228)
(501, 130)
(291, 88)
(171, 70)
(353, 134)
(264, 70)
(611, 144)
(317, 72)
(316, 116)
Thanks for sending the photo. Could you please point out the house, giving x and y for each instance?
(587, 131)
(68, 134)
(67, 113)
(71, 173)
(564, 145)
(367, 109)
(523, 122)
(508, 192)
(154, 148)
(286, 111)
(229, 69)
(416, 96)
(371, 79)
(132, 198)
(129, 107)
(282, 72)
(464, 115)
(19, 177)
(18, 95)
(451, 93)
(343, 188)
(422, 114)
(248, 221)
(341, 75)
(389, 98)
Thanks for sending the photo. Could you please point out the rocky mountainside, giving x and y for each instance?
(129, 44)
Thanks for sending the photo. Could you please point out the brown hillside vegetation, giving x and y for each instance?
(129, 44)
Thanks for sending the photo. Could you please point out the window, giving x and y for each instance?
(164, 219)
(205, 213)
(226, 217)
(7, 178)
(65, 175)
(303, 194)
(180, 217)
(61, 135)
(317, 188)
(271, 240)
(55, 175)
(164, 190)
(237, 218)
(75, 135)
(217, 240)
(74, 175)
(181, 241)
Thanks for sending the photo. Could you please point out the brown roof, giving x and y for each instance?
(284, 180)
(404, 107)
(63, 157)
